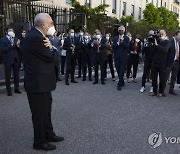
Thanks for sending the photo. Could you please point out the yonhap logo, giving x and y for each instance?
(155, 139)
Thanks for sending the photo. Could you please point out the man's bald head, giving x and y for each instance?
(41, 18)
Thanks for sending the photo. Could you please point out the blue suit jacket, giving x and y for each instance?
(9, 52)
(121, 50)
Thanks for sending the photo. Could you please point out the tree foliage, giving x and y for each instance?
(160, 18)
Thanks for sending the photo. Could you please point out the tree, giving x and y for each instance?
(160, 18)
(127, 19)
(95, 17)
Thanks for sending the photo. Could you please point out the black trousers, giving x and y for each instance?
(173, 69)
(79, 58)
(146, 71)
(132, 61)
(155, 71)
(70, 66)
(8, 71)
(86, 64)
(110, 62)
(57, 63)
(63, 62)
(99, 62)
(41, 106)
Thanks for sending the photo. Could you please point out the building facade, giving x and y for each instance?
(119, 8)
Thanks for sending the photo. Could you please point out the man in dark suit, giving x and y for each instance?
(40, 79)
(172, 64)
(9, 47)
(99, 56)
(71, 47)
(120, 47)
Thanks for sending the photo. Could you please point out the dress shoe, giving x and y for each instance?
(162, 95)
(172, 92)
(45, 147)
(9, 93)
(78, 77)
(153, 94)
(67, 83)
(84, 79)
(95, 82)
(118, 87)
(134, 80)
(59, 79)
(113, 79)
(55, 139)
(90, 79)
(102, 82)
(17, 91)
(73, 81)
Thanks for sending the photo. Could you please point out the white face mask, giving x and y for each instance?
(81, 33)
(98, 36)
(51, 31)
(86, 37)
(71, 34)
(107, 37)
(163, 37)
(11, 34)
(137, 40)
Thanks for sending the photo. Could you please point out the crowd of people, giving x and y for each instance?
(46, 55)
(88, 53)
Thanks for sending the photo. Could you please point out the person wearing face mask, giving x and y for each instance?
(63, 53)
(120, 48)
(86, 57)
(71, 46)
(9, 45)
(40, 79)
(109, 57)
(159, 64)
(133, 57)
(172, 64)
(99, 56)
(79, 53)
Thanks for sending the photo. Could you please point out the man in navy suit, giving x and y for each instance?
(120, 47)
(40, 79)
(172, 64)
(99, 56)
(71, 47)
(9, 47)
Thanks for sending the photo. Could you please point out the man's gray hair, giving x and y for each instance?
(40, 19)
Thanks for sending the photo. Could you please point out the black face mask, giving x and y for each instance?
(121, 32)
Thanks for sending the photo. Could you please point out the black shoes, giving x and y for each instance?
(66, 83)
(118, 87)
(9, 93)
(84, 79)
(102, 82)
(55, 139)
(78, 77)
(90, 79)
(73, 81)
(46, 147)
(95, 82)
(172, 92)
(17, 91)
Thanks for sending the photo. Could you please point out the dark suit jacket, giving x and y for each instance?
(9, 52)
(39, 64)
(121, 50)
(102, 49)
(67, 46)
(171, 53)
(86, 50)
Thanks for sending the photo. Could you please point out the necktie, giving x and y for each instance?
(72, 41)
(177, 51)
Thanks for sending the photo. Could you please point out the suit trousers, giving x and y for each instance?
(41, 106)
(79, 59)
(155, 71)
(132, 61)
(70, 66)
(147, 68)
(110, 62)
(173, 69)
(120, 67)
(99, 62)
(86, 63)
(8, 71)
(63, 62)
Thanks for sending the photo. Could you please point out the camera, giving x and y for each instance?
(156, 35)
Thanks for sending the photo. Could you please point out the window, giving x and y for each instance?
(165, 4)
(161, 3)
(68, 1)
(102, 1)
(132, 10)
(157, 3)
(87, 3)
(146, 1)
(124, 9)
(139, 13)
(113, 6)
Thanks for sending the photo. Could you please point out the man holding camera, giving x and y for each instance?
(159, 63)
(120, 47)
